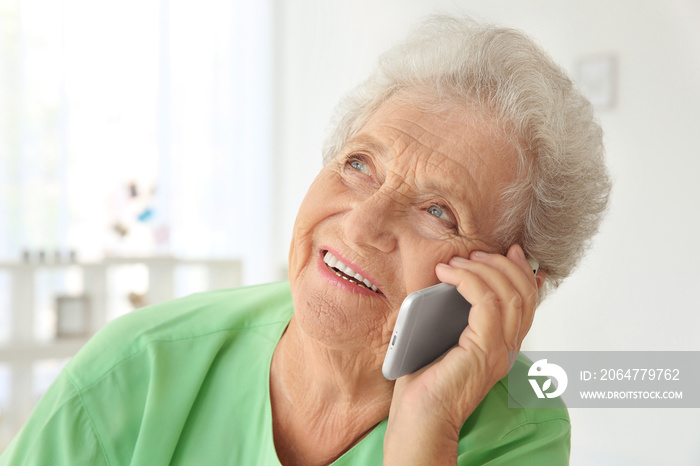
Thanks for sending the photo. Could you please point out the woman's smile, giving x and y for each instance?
(347, 271)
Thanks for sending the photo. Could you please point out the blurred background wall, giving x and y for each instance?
(137, 132)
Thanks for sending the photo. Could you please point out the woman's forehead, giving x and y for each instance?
(448, 140)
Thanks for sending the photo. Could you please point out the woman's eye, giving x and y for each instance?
(359, 166)
(439, 212)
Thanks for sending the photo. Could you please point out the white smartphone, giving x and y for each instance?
(429, 323)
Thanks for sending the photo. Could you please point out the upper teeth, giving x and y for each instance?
(333, 261)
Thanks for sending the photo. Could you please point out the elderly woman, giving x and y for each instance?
(466, 153)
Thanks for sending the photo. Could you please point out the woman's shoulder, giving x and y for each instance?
(203, 321)
(145, 381)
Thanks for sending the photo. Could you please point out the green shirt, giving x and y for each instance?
(187, 383)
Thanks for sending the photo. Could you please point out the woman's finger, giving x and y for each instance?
(508, 302)
(515, 267)
(485, 318)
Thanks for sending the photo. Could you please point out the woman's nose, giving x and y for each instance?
(372, 222)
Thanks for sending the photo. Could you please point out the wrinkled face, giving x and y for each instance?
(413, 188)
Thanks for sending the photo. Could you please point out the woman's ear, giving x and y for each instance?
(539, 278)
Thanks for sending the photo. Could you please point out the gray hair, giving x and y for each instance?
(562, 189)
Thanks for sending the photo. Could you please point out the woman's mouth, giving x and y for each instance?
(347, 273)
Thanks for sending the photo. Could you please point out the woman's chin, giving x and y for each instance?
(336, 317)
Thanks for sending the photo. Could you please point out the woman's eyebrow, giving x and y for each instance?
(369, 143)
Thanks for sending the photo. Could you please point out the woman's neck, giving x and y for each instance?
(323, 400)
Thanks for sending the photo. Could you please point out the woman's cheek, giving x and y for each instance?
(419, 258)
(327, 197)
(431, 229)
(428, 247)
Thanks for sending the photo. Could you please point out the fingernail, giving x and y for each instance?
(481, 254)
(459, 260)
(445, 266)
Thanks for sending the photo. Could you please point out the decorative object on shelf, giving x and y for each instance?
(43, 257)
(138, 300)
(135, 228)
(72, 316)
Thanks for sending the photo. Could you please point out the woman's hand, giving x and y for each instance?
(430, 406)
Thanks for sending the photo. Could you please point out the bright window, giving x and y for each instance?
(136, 127)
